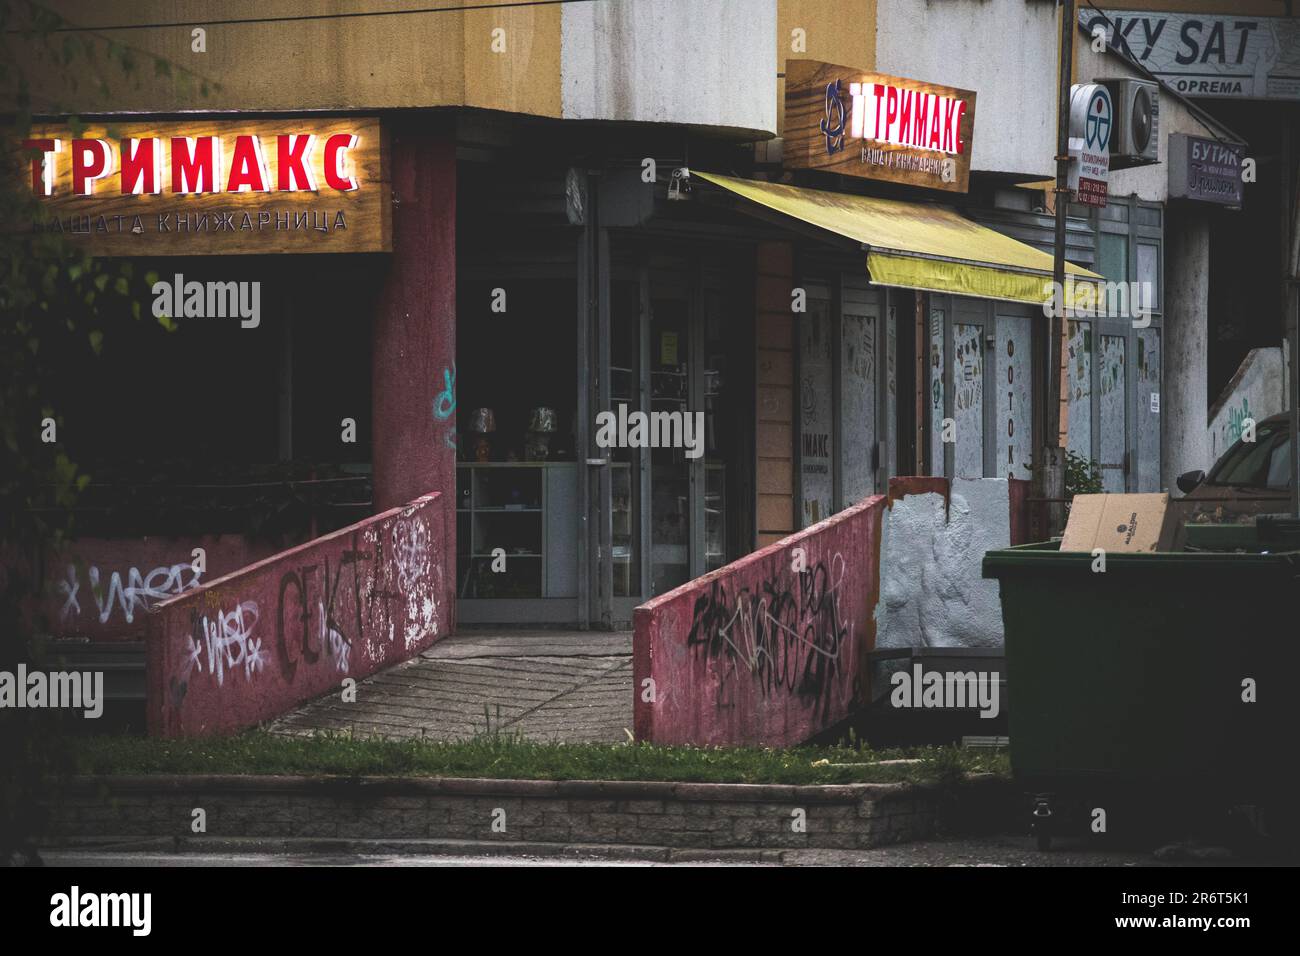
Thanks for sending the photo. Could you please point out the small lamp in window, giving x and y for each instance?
(541, 426)
(482, 424)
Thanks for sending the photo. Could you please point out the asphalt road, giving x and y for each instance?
(1001, 851)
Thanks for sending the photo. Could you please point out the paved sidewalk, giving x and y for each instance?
(571, 686)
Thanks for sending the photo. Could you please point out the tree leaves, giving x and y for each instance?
(56, 301)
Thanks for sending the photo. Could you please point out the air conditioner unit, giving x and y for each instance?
(1135, 140)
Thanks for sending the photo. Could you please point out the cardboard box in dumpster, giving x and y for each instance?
(1120, 523)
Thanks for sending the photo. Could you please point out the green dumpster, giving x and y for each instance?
(1138, 676)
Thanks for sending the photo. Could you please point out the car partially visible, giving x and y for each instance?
(1249, 479)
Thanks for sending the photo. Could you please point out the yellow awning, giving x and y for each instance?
(918, 246)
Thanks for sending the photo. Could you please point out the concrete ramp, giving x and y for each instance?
(568, 686)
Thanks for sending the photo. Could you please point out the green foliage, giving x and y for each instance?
(503, 756)
(1082, 475)
(55, 301)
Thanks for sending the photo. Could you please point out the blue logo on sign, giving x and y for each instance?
(1096, 130)
(833, 125)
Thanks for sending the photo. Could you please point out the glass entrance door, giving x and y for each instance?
(626, 480)
(967, 362)
(671, 367)
(668, 375)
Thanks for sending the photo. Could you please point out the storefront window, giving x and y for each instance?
(1112, 256)
(673, 498)
(1014, 453)
(512, 402)
(859, 325)
(625, 467)
(1123, 409)
(888, 430)
(1079, 372)
(1148, 409)
(720, 441)
(968, 400)
(670, 488)
(986, 401)
(1148, 272)
(937, 463)
(1114, 433)
(816, 421)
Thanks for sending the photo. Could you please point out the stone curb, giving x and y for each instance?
(481, 786)
(531, 816)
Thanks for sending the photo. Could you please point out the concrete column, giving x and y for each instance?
(1184, 440)
(413, 336)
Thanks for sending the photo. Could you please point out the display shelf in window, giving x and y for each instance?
(521, 508)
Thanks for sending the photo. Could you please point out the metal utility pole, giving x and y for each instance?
(1292, 300)
(1053, 468)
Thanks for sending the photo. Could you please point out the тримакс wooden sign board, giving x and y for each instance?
(214, 187)
(877, 126)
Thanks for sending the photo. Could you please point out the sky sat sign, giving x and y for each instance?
(1223, 54)
(1092, 120)
(877, 126)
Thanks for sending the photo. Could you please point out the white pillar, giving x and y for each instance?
(1184, 442)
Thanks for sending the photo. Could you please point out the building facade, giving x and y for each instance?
(611, 209)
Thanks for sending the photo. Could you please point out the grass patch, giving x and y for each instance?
(504, 757)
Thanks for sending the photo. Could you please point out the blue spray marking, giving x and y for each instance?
(444, 406)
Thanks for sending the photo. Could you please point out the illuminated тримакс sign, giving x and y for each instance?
(876, 126)
(214, 186)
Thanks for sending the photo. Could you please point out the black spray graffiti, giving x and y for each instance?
(309, 618)
(789, 635)
(340, 609)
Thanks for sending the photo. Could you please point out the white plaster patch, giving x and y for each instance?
(932, 593)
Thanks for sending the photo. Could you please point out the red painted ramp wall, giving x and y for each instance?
(256, 643)
(769, 650)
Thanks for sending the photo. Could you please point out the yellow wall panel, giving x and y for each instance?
(835, 31)
(526, 77)
(296, 56)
